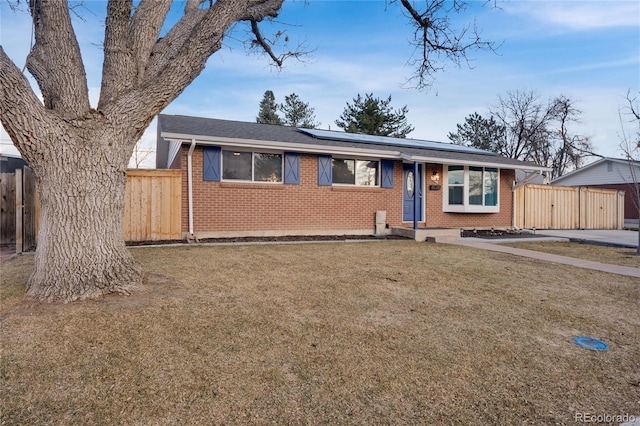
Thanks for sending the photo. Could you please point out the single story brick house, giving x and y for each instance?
(250, 179)
(608, 173)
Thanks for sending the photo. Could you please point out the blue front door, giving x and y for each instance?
(412, 187)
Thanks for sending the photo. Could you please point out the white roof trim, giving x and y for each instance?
(325, 149)
(454, 162)
(286, 146)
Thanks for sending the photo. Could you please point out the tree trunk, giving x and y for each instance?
(78, 154)
(81, 252)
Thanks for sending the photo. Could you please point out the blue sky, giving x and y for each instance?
(588, 51)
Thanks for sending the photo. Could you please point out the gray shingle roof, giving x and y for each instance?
(192, 127)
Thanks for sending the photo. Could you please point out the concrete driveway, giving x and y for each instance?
(614, 237)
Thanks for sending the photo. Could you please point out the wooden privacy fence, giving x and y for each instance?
(27, 210)
(566, 207)
(153, 205)
(19, 209)
(7, 208)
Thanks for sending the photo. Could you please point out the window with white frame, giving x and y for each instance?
(351, 171)
(471, 189)
(251, 166)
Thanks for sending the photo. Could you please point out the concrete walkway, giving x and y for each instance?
(495, 246)
(615, 237)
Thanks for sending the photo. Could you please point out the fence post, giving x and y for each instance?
(19, 211)
(524, 206)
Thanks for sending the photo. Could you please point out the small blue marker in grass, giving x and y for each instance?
(590, 343)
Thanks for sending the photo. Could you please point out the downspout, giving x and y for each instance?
(514, 215)
(190, 183)
(416, 194)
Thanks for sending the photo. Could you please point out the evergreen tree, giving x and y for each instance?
(374, 116)
(268, 113)
(479, 132)
(298, 113)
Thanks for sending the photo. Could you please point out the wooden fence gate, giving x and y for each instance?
(19, 209)
(7, 208)
(27, 210)
(566, 207)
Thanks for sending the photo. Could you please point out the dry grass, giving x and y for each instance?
(365, 333)
(596, 253)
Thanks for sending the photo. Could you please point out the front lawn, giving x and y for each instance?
(394, 332)
(593, 252)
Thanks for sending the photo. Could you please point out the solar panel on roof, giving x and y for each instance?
(389, 141)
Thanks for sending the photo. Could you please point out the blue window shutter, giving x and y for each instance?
(211, 169)
(292, 168)
(324, 170)
(387, 173)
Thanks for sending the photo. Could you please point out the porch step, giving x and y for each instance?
(437, 235)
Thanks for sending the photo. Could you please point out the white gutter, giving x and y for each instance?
(190, 183)
(456, 162)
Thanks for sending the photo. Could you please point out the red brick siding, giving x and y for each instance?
(437, 218)
(630, 205)
(246, 207)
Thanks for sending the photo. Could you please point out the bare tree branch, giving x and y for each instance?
(18, 102)
(633, 107)
(146, 24)
(181, 55)
(140, 155)
(116, 70)
(130, 36)
(630, 146)
(266, 45)
(192, 5)
(538, 131)
(257, 10)
(566, 150)
(436, 40)
(263, 43)
(55, 61)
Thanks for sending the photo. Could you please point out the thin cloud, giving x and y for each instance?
(587, 67)
(581, 15)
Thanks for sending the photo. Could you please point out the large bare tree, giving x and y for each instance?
(630, 147)
(539, 131)
(79, 153)
(566, 150)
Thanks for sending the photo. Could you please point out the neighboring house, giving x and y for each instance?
(10, 162)
(608, 173)
(534, 177)
(249, 179)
